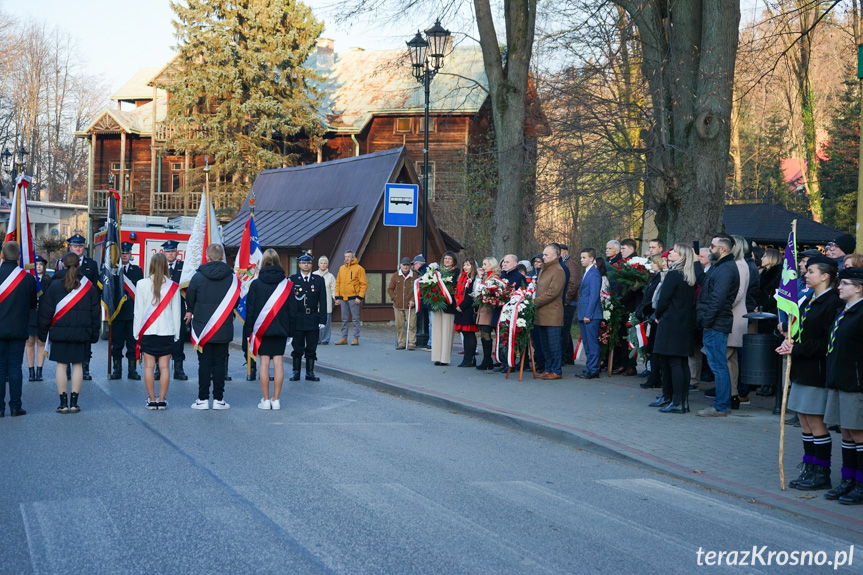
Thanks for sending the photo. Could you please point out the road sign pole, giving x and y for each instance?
(399, 250)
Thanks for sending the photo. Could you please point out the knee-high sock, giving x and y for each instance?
(849, 460)
(822, 447)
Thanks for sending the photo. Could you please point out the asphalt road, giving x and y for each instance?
(345, 479)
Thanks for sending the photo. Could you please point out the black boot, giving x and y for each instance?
(853, 497)
(32, 376)
(253, 371)
(844, 488)
(227, 377)
(39, 374)
(179, 374)
(469, 352)
(676, 405)
(295, 376)
(64, 404)
(805, 474)
(310, 370)
(820, 479)
(133, 372)
(487, 363)
(661, 401)
(87, 377)
(116, 369)
(73, 403)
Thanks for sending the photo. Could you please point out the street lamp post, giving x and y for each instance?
(20, 160)
(426, 54)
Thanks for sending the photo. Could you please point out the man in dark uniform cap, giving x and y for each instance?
(307, 307)
(175, 268)
(90, 269)
(122, 327)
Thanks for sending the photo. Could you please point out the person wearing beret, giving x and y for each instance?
(808, 395)
(845, 385)
(89, 268)
(122, 335)
(35, 347)
(175, 268)
(307, 307)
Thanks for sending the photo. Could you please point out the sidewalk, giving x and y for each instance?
(608, 416)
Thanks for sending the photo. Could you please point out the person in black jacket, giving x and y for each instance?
(307, 306)
(275, 337)
(675, 320)
(89, 268)
(121, 334)
(175, 268)
(644, 313)
(808, 395)
(34, 349)
(714, 314)
(17, 298)
(209, 287)
(465, 315)
(71, 331)
(845, 381)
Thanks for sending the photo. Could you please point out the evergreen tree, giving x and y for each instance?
(840, 169)
(239, 91)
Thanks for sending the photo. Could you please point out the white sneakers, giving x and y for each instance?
(220, 404)
(275, 404)
(201, 404)
(265, 404)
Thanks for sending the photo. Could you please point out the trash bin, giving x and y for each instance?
(760, 363)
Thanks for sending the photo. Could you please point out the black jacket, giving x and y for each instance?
(675, 313)
(645, 310)
(307, 303)
(206, 290)
(260, 291)
(81, 324)
(809, 364)
(127, 312)
(176, 272)
(845, 364)
(717, 296)
(15, 308)
(513, 277)
(768, 284)
(44, 283)
(467, 315)
(754, 287)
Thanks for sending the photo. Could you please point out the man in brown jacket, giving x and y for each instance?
(549, 310)
(401, 291)
(570, 304)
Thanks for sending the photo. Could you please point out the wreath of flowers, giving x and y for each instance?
(522, 309)
(431, 288)
(633, 273)
(493, 293)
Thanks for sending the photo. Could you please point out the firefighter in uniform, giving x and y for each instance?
(307, 307)
(175, 267)
(90, 269)
(121, 334)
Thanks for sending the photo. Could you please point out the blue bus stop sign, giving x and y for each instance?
(400, 205)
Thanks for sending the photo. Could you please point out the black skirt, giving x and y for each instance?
(273, 346)
(69, 352)
(157, 345)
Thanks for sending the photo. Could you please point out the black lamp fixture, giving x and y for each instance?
(20, 160)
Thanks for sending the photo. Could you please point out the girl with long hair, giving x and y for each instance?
(490, 269)
(465, 315)
(35, 348)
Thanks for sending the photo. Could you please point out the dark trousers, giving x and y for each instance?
(11, 359)
(121, 335)
(550, 338)
(211, 365)
(566, 347)
(590, 341)
(538, 356)
(305, 342)
(177, 353)
(675, 376)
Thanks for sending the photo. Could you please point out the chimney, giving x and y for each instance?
(326, 54)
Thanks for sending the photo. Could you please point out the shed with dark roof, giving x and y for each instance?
(335, 206)
(769, 224)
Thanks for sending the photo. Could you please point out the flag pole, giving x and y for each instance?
(787, 382)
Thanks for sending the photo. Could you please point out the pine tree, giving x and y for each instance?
(239, 92)
(839, 170)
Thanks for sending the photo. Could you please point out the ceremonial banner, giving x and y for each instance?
(111, 272)
(18, 229)
(786, 295)
(205, 232)
(248, 263)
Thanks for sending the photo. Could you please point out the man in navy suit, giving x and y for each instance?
(590, 312)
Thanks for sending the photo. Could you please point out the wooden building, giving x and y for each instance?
(335, 206)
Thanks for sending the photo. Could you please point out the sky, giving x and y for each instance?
(142, 32)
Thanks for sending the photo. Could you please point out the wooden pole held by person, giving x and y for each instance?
(786, 385)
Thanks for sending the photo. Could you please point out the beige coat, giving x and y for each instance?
(330, 282)
(549, 295)
(741, 324)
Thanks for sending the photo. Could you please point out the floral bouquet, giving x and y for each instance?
(614, 315)
(516, 321)
(434, 289)
(492, 293)
(633, 273)
(637, 334)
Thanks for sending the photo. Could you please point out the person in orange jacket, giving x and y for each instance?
(351, 288)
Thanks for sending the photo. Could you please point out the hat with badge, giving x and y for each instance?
(39, 258)
(823, 260)
(126, 248)
(77, 240)
(851, 274)
(305, 259)
(406, 261)
(170, 245)
(846, 242)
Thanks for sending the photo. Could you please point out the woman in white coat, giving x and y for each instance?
(157, 326)
(330, 282)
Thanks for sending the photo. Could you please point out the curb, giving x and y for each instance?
(592, 443)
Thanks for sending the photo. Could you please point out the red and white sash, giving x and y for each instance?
(129, 286)
(166, 294)
(64, 305)
(11, 282)
(226, 306)
(269, 312)
(441, 284)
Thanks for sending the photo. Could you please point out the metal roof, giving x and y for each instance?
(285, 228)
(137, 89)
(771, 224)
(361, 84)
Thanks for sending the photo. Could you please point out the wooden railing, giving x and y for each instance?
(100, 201)
(166, 131)
(171, 203)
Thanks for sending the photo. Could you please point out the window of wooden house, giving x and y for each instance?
(403, 126)
(422, 125)
(375, 291)
(387, 278)
(419, 169)
(176, 177)
(127, 174)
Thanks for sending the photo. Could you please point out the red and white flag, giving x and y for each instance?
(18, 229)
(641, 334)
(579, 351)
(205, 232)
